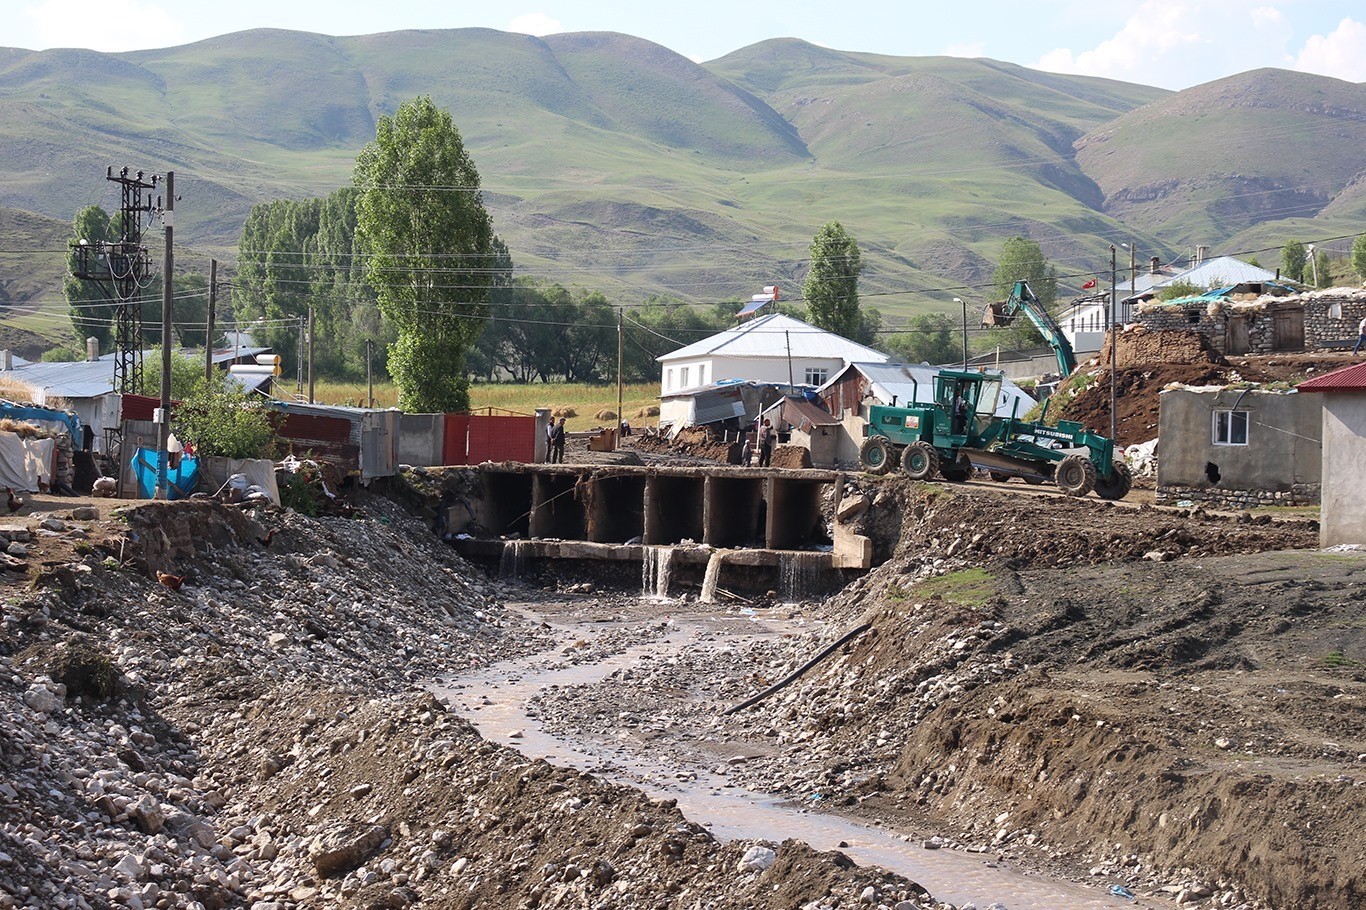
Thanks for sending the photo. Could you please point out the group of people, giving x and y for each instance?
(763, 441)
(554, 439)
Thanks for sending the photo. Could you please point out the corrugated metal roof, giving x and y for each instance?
(1220, 271)
(1348, 379)
(770, 336)
(93, 378)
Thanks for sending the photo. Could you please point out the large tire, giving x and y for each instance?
(875, 455)
(999, 476)
(919, 461)
(1119, 484)
(1075, 475)
(956, 471)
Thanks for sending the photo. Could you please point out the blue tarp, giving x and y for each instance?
(181, 480)
(26, 412)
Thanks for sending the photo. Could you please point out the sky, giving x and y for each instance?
(1168, 43)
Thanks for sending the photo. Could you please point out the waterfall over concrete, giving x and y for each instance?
(655, 572)
(712, 577)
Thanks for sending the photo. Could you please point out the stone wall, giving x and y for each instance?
(1300, 494)
(1332, 315)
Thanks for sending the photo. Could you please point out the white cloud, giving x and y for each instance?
(966, 49)
(535, 24)
(1157, 29)
(1267, 17)
(1341, 54)
(103, 25)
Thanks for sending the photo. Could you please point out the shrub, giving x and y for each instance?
(220, 419)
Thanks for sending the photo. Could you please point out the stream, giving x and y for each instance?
(496, 701)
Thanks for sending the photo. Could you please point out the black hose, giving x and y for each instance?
(795, 674)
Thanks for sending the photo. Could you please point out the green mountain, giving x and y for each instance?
(611, 162)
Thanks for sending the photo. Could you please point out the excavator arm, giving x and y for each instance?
(1023, 299)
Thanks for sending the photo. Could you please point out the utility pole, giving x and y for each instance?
(370, 369)
(965, 330)
(299, 365)
(310, 354)
(167, 263)
(120, 269)
(208, 331)
(791, 386)
(620, 360)
(1109, 323)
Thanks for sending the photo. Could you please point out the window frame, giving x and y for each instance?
(813, 372)
(1225, 420)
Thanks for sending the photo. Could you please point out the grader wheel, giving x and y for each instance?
(1075, 475)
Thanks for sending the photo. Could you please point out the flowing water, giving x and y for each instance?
(799, 575)
(656, 571)
(496, 699)
(712, 577)
(512, 561)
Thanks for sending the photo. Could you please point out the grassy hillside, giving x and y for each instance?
(1221, 158)
(611, 162)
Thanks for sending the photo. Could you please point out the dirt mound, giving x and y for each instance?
(1140, 347)
(791, 457)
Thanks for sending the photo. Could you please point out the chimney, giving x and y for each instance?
(1200, 253)
(92, 348)
(6, 360)
(1153, 265)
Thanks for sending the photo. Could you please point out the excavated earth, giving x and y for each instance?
(1168, 702)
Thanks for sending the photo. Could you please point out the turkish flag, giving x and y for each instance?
(1088, 285)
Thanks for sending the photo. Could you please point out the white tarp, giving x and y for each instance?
(259, 472)
(25, 462)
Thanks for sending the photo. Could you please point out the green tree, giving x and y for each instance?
(429, 242)
(1359, 256)
(1294, 257)
(186, 374)
(928, 338)
(1022, 260)
(87, 302)
(220, 418)
(1323, 269)
(831, 288)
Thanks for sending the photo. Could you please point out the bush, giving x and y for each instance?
(220, 419)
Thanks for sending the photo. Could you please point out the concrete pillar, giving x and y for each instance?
(542, 451)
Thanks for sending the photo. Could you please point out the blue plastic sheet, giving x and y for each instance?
(25, 412)
(181, 480)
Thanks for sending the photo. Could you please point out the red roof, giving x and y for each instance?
(1347, 379)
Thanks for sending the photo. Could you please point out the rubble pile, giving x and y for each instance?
(205, 708)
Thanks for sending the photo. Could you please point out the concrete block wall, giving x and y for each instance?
(421, 438)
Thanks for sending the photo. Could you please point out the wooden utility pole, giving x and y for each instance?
(369, 369)
(167, 262)
(310, 355)
(620, 359)
(299, 365)
(208, 331)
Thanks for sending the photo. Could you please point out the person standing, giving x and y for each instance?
(1361, 334)
(557, 443)
(765, 443)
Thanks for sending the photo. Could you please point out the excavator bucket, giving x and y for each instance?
(996, 314)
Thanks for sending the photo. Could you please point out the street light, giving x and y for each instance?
(1315, 263)
(965, 330)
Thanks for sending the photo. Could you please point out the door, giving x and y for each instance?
(1288, 330)
(1236, 335)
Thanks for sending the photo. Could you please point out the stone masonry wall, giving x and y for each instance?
(1332, 315)
(1300, 494)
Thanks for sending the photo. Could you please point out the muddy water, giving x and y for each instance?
(496, 700)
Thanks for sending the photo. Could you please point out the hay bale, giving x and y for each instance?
(565, 412)
(651, 410)
(605, 414)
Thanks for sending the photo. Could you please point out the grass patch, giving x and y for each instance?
(1335, 659)
(968, 587)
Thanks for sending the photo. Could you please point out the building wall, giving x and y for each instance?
(421, 439)
(755, 369)
(1343, 516)
(1332, 315)
(1280, 465)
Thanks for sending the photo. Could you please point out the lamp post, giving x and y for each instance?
(1314, 263)
(965, 330)
(1110, 328)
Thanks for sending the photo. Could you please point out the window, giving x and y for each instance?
(668, 379)
(702, 374)
(1230, 428)
(816, 376)
(683, 377)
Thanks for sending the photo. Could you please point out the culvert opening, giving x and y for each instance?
(673, 509)
(616, 509)
(735, 511)
(506, 506)
(556, 508)
(795, 519)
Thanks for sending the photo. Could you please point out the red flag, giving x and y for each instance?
(1088, 285)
